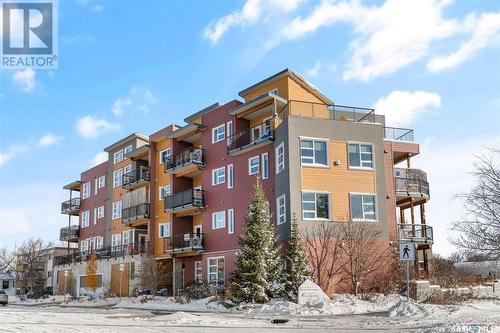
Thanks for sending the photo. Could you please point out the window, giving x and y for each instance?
(230, 221)
(126, 239)
(363, 207)
(219, 220)
(216, 270)
(117, 178)
(280, 158)
(274, 91)
(360, 155)
(281, 209)
(229, 126)
(85, 219)
(230, 176)
(165, 155)
(117, 210)
(265, 166)
(164, 191)
(315, 206)
(100, 212)
(219, 176)
(198, 272)
(95, 215)
(253, 165)
(127, 169)
(118, 157)
(128, 149)
(102, 181)
(116, 241)
(218, 133)
(313, 152)
(98, 242)
(163, 230)
(86, 190)
(96, 186)
(84, 246)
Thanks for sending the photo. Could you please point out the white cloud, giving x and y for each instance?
(319, 68)
(402, 107)
(49, 140)
(99, 158)
(11, 152)
(141, 98)
(90, 127)
(485, 30)
(25, 79)
(120, 104)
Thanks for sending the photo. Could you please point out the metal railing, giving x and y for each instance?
(190, 197)
(398, 134)
(332, 112)
(251, 136)
(70, 205)
(189, 156)
(417, 233)
(411, 181)
(135, 176)
(110, 252)
(70, 233)
(184, 242)
(135, 212)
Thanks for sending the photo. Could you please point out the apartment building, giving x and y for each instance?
(183, 192)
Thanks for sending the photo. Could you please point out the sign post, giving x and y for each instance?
(122, 268)
(66, 273)
(407, 254)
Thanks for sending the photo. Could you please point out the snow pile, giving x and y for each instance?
(403, 308)
(169, 304)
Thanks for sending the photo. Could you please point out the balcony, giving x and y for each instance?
(188, 202)
(331, 112)
(136, 178)
(411, 183)
(135, 214)
(69, 234)
(416, 233)
(110, 252)
(398, 134)
(188, 163)
(71, 207)
(184, 244)
(251, 138)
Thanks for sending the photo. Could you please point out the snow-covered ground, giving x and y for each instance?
(344, 313)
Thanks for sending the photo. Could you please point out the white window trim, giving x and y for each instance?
(230, 221)
(119, 215)
(208, 268)
(221, 213)
(213, 176)
(278, 209)
(278, 169)
(95, 216)
(229, 134)
(263, 166)
(126, 148)
(100, 209)
(120, 182)
(375, 203)
(103, 177)
(87, 219)
(361, 167)
(161, 154)
(159, 230)
(214, 140)
(96, 185)
(198, 262)
(317, 218)
(230, 176)
(116, 154)
(87, 190)
(250, 165)
(169, 192)
(316, 165)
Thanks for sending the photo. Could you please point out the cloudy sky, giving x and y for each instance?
(137, 66)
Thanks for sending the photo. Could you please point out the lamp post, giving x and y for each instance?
(66, 274)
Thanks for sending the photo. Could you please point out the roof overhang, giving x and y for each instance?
(74, 186)
(127, 139)
(186, 132)
(139, 153)
(202, 112)
(255, 106)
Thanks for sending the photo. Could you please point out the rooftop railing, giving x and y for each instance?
(331, 112)
(398, 134)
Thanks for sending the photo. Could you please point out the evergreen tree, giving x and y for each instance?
(297, 270)
(258, 266)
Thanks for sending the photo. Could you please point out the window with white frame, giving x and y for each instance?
(230, 176)
(116, 241)
(219, 176)
(274, 91)
(361, 155)
(219, 220)
(117, 178)
(165, 155)
(216, 270)
(253, 165)
(86, 190)
(117, 210)
(127, 169)
(315, 206)
(128, 149)
(102, 181)
(95, 215)
(127, 237)
(363, 207)
(96, 183)
(85, 219)
(198, 272)
(164, 230)
(164, 192)
(314, 152)
(118, 157)
(230, 221)
(280, 158)
(218, 133)
(281, 209)
(265, 166)
(99, 242)
(100, 212)
(230, 133)
(84, 245)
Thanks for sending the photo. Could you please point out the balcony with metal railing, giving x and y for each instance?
(416, 233)
(184, 243)
(69, 234)
(135, 178)
(411, 183)
(71, 207)
(398, 134)
(188, 163)
(184, 203)
(251, 138)
(135, 214)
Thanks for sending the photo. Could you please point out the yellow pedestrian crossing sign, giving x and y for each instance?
(406, 252)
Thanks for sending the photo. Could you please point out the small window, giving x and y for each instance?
(165, 155)
(274, 91)
(230, 221)
(253, 165)
(102, 181)
(85, 219)
(219, 220)
(218, 133)
(117, 210)
(127, 169)
(116, 241)
(164, 230)
(361, 155)
(230, 133)
(117, 178)
(315, 206)
(281, 208)
(265, 166)
(126, 239)
(164, 192)
(218, 176)
(216, 270)
(313, 152)
(128, 149)
(363, 207)
(100, 212)
(95, 215)
(280, 158)
(86, 190)
(230, 176)
(198, 272)
(118, 157)
(96, 186)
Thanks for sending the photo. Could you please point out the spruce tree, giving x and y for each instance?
(297, 270)
(258, 267)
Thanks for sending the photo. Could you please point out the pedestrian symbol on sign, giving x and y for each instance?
(406, 252)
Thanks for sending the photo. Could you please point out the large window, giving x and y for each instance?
(117, 210)
(86, 190)
(198, 272)
(360, 155)
(265, 166)
(85, 218)
(253, 165)
(117, 178)
(315, 206)
(313, 152)
(363, 207)
(219, 220)
(280, 158)
(163, 230)
(230, 221)
(165, 155)
(218, 133)
(118, 157)
(219, 176)
(216, 270)
(281, 209)
(164, 191)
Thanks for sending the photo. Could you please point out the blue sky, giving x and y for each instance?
(137, 66)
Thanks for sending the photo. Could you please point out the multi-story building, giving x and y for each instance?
(185, 190)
